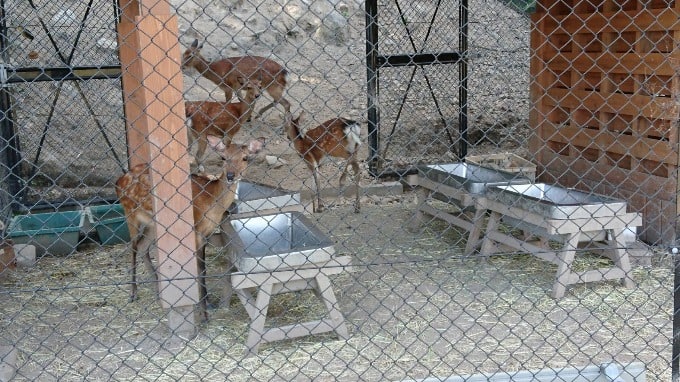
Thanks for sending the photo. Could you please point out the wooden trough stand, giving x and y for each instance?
(282, 253)
(459, 184)
(255, 292)
(577, 219)
(566, 215)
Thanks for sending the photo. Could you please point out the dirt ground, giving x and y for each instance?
(414, 306)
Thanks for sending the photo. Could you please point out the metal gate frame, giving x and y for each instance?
(375, 61)
(10, 147)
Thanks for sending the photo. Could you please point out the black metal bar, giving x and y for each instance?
(59, 86)
(47, 31)
(439, 110)
(381, 62)
(80, 32)
(80, 90)
(82, 94)
(415, 60)
(119, 16)
(99, 125)
(413, 72)
(43, 135)
(372, 85)
(405, 23)
(427, 78)
(388, 141)
(10, 146)
(422, 57)
(9, 141)
(35, 74)
(429, 27)
(118, 13)
(399, 172)
(419, 59)
(67, 62)
(463, 78)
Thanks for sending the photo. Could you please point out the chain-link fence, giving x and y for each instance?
(517, 190)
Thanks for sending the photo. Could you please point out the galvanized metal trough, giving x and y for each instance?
(258, 199)
(472, 178)
(556, 213)
(280, 241)
(548, 211)
(556, 202)
(458, 184)
(252, 200)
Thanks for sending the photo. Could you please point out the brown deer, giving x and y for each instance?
(337, 137)
(220, 119)
(225, 72)
(211, 198)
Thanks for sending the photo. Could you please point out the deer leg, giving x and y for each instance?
(343, 176)
(142, 245)
(139, 243)
(133, 270)
(350, 160)
(190, 142)
(276, 92)
(286, 105)
(235, 248)
(355, 169)
(200, 151)
(134, 239)
(228, 92)
(202, 288)
(146, 249)
(284, 102)
(317, 204)
(259, 113)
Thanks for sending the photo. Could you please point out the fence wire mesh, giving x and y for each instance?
(516, 199)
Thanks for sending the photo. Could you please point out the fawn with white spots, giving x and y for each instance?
(211, 197)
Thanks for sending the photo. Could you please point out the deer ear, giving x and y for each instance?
(256, 145)
(216, 143)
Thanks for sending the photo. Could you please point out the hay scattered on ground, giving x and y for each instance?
(414, 307)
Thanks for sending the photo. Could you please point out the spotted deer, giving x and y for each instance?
(225, 72)
(211, 197)
(220, 119)
(337, 137)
